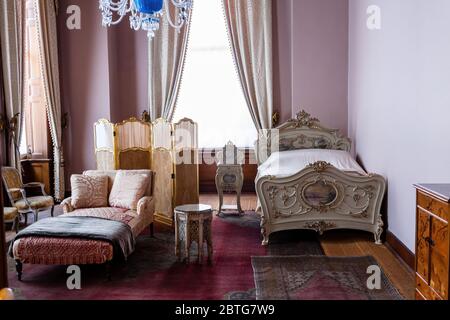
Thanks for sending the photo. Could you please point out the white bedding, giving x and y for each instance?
(287, 163)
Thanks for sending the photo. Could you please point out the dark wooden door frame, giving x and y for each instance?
(3, 265)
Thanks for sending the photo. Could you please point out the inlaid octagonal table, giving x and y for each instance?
(193, 224)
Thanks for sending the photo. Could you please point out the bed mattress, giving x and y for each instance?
(287, 163)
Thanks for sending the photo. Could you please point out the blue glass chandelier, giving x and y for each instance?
(145, 14)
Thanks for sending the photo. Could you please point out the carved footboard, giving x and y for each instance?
(321, 198)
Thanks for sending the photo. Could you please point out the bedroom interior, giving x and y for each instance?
(240, 150)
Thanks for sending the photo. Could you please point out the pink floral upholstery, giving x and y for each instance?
(63, 251)
(116, 214)
(56, 251)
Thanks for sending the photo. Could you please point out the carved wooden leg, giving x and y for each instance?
(19, 269)
(265, 241)
(16, 223)
(264, 232)
(52, 211)
(177, 237)
(377, 234)
(220, 202)
(187, 243)
(239, 203)
(200, 240)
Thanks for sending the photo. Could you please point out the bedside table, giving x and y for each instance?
(193, 223)
(229, 178)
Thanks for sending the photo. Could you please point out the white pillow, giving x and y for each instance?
(128, 189)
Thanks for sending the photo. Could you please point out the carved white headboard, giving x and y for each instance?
(303, 132)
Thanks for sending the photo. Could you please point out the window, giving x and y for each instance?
(210, 92)
(35, 136)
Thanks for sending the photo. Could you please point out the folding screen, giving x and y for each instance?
(163, 167)
(104, 145)
(133, 145)
(186, 162)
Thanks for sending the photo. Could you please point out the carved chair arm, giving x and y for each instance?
(67, 205)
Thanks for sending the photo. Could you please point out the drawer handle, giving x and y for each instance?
(430, 241)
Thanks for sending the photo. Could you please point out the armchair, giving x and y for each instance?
(17, 194)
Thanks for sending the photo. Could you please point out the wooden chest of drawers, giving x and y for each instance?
(432, 241)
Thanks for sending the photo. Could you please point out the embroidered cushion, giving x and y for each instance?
(89, 192)
(128, 189)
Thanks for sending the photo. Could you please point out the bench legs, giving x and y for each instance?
(19, 269)
(16, 224)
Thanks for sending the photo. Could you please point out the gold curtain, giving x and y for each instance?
(12, 39)
(167, 52)
(249, 26)
(48, 57)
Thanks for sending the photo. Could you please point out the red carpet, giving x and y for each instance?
(152, 272)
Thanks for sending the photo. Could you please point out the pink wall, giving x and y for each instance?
(85, 89)
(320, 60)
(128, 72)
(282, 58)
(103, 75)
(399, 98)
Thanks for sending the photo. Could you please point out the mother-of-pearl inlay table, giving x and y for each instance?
(193, 224)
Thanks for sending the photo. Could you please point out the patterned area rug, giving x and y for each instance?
(319, 278)
(286, 243)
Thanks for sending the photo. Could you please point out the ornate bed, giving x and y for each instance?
(320, 195)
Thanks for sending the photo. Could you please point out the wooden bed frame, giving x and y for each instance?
(355, 201)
